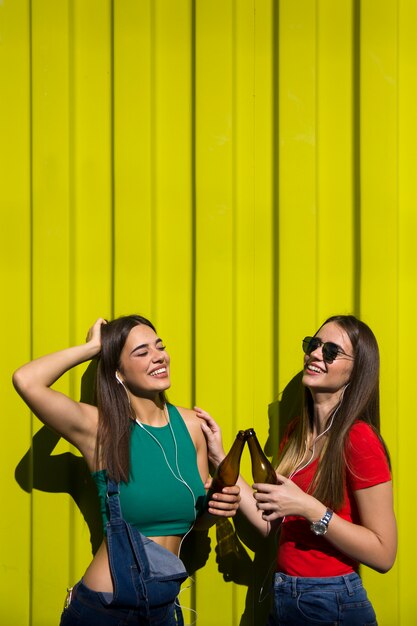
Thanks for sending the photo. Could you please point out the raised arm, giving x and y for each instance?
(75, 421)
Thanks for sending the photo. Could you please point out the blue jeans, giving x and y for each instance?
(321, 601)
(91, 608)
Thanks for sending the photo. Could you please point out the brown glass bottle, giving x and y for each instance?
(227, 472)
(262, 470)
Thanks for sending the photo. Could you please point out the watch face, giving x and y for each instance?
(319, 528)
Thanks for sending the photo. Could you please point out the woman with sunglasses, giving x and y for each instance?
(148, 459)
(334, 501)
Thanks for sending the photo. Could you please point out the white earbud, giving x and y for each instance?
(119, 380)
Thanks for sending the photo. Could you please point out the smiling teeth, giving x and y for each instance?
(160, 371)
(313, 368)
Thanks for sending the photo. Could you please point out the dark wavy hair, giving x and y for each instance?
(360, 402)
(115, 414)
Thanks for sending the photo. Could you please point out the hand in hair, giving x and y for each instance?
(94, 333)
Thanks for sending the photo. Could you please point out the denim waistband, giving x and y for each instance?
(298, 583)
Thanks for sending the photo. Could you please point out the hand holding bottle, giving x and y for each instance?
(224, 503)
(277, 501)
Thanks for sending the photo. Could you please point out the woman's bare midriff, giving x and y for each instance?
(98, 577)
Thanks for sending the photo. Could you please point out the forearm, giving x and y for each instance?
(248, 509)
(45, 370)
(372, 542)
(362, 544)
(374, 546)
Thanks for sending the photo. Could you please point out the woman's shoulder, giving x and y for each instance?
(367, 462)
(186, 414)
(191, 421)
(362, 432)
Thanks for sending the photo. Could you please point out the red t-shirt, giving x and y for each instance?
(300, 551)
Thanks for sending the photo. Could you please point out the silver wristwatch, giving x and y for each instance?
(320, 527)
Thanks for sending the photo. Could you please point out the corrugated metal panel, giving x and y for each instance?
(235, 169)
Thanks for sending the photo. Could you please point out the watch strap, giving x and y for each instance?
(327, 517)
(320, 527)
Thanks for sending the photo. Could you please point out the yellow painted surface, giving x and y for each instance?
(405, 427)
(379, 215)
(237, 170)
(15, 525)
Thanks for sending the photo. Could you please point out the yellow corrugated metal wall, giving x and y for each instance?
(235, 169)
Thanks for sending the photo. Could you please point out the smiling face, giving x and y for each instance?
(320, 376)
(144, 362)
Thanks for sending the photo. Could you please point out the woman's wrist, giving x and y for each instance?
(314, 510)
(216, 459)
(92, 348)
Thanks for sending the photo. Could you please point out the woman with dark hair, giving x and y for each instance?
(149, 461)
(334, 501)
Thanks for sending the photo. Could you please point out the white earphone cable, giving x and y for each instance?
(177, 476)
(180, 479)
(298, 469)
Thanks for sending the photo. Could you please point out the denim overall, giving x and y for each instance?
(146, 578)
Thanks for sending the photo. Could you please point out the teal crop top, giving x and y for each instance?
(154, 501)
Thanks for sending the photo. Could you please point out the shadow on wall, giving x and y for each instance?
(64, 473)
(61, 473)
(68, 473)
(281, 412)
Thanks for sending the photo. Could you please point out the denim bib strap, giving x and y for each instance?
(145, 575)
(113, 502)
(127, 560)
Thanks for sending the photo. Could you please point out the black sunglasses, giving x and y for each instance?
(330, 350)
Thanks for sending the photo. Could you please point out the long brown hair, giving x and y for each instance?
(115, 414)
(360, 401)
